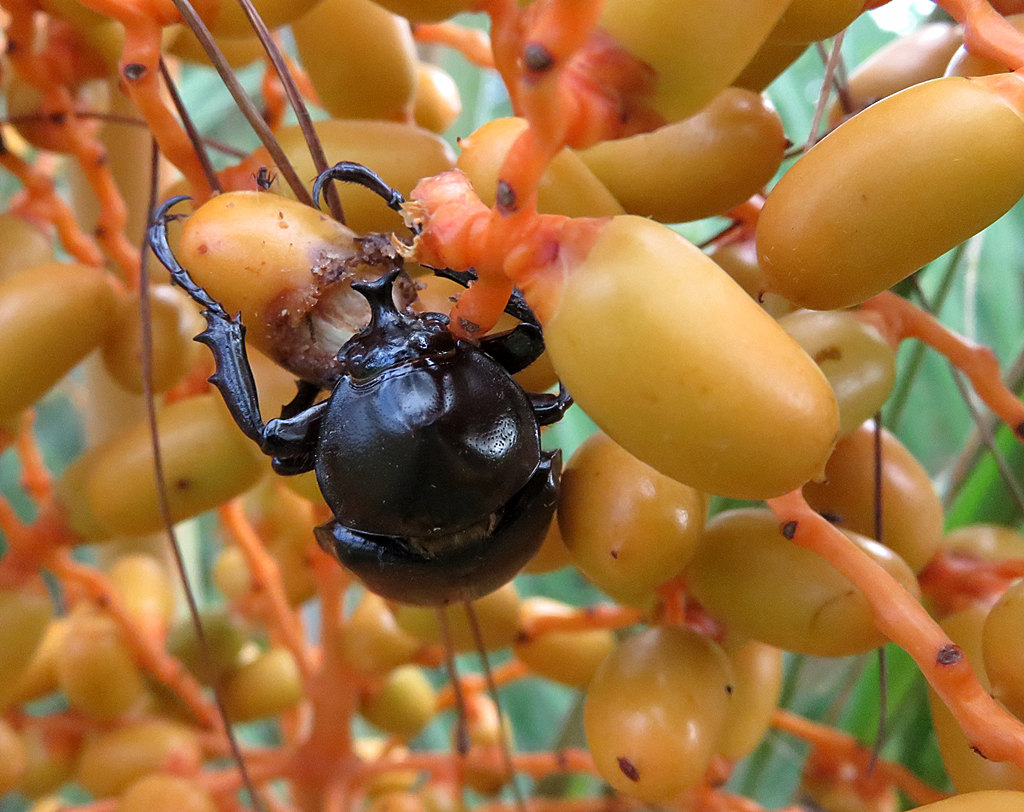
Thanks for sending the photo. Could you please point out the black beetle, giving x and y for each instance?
(427, 451)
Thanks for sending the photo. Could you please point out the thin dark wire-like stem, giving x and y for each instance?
(831, 60)
(984, 430)
(492, 690)
(244, 103)
(461, 729)
(190, 129)
(898, 399)
(316, 149)
(981, 438)
(161, 487)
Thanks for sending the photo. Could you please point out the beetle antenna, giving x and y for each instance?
(492, 690)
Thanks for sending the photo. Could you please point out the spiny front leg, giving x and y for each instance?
(292, 441)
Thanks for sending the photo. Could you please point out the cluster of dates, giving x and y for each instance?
(744, 371)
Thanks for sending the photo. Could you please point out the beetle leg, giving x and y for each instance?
(304, 398)
(514, 349)
(351, 172)
(292, 438)
(550, 408)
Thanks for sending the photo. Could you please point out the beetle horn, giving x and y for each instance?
(378, 293)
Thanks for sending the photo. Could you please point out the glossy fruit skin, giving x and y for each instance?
(747, 574)
(867, 206)
(859, 363)
(628, 527)
(719, 397)
(570, 658)
(913, 515)
(736, 141)
(655, 709)
(360, 57)
(694, 54)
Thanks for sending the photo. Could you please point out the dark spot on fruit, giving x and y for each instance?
(182, 484)
(978, 752)
(729, 689)
(133, 71)
(615, 554)
(828, 354)
(789, 529)
(949, 654)
(628, 768)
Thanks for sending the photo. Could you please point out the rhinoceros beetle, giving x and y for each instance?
(427, 451)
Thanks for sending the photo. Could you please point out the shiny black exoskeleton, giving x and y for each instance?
(427, 451)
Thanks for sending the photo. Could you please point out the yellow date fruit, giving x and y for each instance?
(372, 641)
(438, 102)
(174, 320)
(22, 245)
(293, 290)
(112, 760)
(693, 53)
(757, 668)
(812, 20)
(112, 490)
(226, 17)
(912, 515)
(628, 527)
(697, 167)
(1002, 646)
(891, 189)
(96, 669)
(497, 615)
(967, 769)
(428, 11)
(964, 63)
(765, 587)
(568, 657)
(264, 687)
(655, 710)
(403, 704)
(360, 57)
(160, 792)
(24, 619)
(859, 363)
(980, 801)
(51, 317)
(919, 56)
(672, 359)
